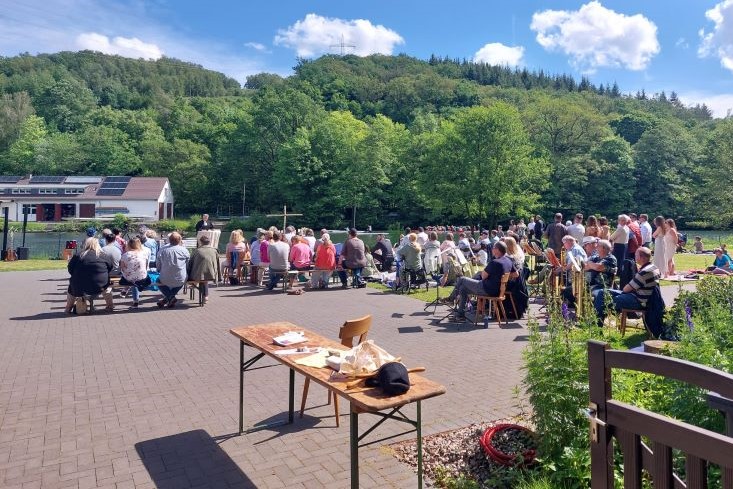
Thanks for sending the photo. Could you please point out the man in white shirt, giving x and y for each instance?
(646, 230)
(576, 229)
(422, 237)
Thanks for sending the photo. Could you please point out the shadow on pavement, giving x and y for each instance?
(190, 459)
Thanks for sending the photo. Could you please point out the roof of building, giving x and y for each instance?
(94, 188)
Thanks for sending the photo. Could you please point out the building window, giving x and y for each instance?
(21, 191)
(73, 191)
(31, 209)
(46, 191)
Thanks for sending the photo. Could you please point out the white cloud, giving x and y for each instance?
(316, 35)
(719, 103)
(594, 36)
(125, 27)
(496, 53)
(682, 43)
(257, 46)
(123, 46)
(719, 41)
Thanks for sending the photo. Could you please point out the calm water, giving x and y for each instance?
(49, 245)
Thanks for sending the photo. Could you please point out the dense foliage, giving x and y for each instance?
(388, 138)
(556, 378)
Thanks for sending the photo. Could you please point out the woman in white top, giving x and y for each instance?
(671, 245)
(134, 267)
(620, 239)
(660, 246)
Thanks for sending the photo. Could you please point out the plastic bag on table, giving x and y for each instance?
(364, 358)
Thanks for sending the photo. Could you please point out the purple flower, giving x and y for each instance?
(688, 316)
(565, 311)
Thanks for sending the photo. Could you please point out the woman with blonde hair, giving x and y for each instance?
(134, 268)
(89, 272)
(604, 230)
(592, 228)
(514, 253)
(660, 259)
(237, 244)
(672, 238)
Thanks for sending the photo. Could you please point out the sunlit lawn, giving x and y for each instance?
(31, 265)
(419, 294)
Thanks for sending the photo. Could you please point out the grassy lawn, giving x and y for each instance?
(31, 265)
(687, 261)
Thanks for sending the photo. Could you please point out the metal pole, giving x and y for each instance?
(354, 445)
(5, 233)
(25, 222)
(241, 387)
(354, 216)
(244, 195)
(291, 396)
(418, 427)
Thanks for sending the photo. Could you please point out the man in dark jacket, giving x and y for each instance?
(204, 224)
(488, 282)
(383, 254)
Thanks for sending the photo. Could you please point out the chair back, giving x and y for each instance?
(355, 327)
(502, 286)
(233, 259)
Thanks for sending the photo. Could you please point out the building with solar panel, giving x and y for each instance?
(52, 199)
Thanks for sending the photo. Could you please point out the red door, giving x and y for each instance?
(161, 210)
(86, 210)
(170, 210)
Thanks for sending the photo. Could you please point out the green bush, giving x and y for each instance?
(252, 222)
(556, 378)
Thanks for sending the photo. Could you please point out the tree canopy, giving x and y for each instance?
(390, 138)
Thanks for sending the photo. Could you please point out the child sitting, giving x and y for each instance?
(699, 247)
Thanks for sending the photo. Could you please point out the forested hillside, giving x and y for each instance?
(397, 138)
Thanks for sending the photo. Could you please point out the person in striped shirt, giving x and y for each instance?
(637, 292)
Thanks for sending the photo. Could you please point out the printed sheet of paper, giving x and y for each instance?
(317, 360)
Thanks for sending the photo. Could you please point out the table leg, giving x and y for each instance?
(291, 398)
(241, 387)
(354, 445)
(418, 427)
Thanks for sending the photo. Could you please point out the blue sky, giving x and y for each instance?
(680, 45)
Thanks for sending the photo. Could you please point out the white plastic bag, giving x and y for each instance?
(364, 358)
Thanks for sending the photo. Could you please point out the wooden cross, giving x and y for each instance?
(284, 215)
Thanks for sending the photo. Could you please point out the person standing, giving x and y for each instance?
(646, 230)
(660, 246)
(576, 229)
(670, 246)
(555, 233)
(172, 263)
(204, 224)
(620, 239)
(422, 236)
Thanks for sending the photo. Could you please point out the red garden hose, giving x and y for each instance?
(501, 457)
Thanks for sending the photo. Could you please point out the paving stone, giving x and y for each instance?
(148, 397)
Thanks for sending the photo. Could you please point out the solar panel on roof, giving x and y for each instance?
(111, 191)
(10, 178)
(82, 179)
(117, 180)
(47, 179)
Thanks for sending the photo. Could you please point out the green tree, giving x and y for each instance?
(23, 151)
(14, 109)
(712, 197)
(65, 104)
(482, 165)
(611, 173)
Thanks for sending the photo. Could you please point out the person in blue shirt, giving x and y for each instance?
(722, 264)
(148, 240)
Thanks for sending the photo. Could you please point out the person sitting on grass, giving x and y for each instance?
(636, 293)
(699, 247)
(172, 263)
(488, 282)
(204, 265)
(89, 272)
(721, 264)
(325, 263)
(370, 270)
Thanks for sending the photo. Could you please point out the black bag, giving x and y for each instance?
(392, 378)
(233, 280)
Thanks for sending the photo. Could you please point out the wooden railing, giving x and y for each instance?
(627, 424)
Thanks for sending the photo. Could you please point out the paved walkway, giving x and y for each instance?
(148, 398)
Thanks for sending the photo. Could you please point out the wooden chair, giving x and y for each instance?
(625, 316)
(513, 276)
(347, 333)
(496, 302)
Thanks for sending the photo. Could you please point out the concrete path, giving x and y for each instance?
(148, 398)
